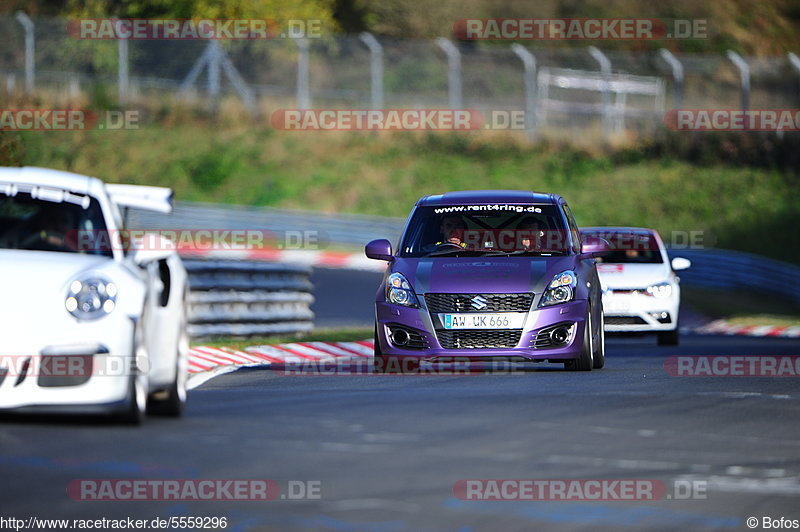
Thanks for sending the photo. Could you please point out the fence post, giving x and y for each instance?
(122, 69)
(303, 65)
(529, 62)
(794, 60)
(677, 76)
(214, 75)
(30, 73)
(605, 69)
(744, 74)
(453, 71)
(375, 68)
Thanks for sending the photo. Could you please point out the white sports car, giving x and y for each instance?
(93, 321)
(641, 292)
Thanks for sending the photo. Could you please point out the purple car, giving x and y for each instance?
(490, 274)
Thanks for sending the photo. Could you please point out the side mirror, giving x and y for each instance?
(380, 249)
(594, 246)
(679, 263)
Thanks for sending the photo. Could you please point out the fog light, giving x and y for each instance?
(661, 317)
(400, 337)
(560, 335)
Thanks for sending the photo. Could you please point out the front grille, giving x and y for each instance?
(624, 320)
(542, 340)
(628, 291)
(468, 303)
(480, 339)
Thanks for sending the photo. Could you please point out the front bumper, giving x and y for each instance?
(85, 367)
(418, 320)
(639, 313)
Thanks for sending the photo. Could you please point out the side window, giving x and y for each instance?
(573, 229)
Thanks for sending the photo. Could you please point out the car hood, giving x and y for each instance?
(482, 274)
(615, 276)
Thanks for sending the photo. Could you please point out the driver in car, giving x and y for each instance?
(529, 233)
(452, 231)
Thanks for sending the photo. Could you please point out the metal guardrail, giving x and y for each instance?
(232, 298)
(348, 229)
(735, 270)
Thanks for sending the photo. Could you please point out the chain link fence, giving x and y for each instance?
(571, 91)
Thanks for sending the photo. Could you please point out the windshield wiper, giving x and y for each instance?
(523, 252)
(447, 252)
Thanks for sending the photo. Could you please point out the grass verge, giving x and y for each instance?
(349, 334)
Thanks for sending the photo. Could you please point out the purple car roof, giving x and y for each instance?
(477, 197)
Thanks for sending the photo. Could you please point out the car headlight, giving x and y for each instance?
(560, 290)
(399, 291)
(91, 298)
(660, 290)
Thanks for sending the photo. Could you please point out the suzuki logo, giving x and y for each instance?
(479, 303)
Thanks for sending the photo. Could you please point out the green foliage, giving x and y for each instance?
(12, 149)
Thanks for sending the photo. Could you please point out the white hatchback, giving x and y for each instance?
(641, 292)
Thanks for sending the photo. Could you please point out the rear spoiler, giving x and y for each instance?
(158, 199)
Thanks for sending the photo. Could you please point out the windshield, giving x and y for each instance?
(38, 224)
(629, 248)
(483, 230)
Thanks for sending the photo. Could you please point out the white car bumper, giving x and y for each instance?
(633, 312)
(80, 367)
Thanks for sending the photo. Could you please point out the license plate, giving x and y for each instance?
(497, 320)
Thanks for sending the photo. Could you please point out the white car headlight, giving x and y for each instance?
(560, 290)
(91, 298)
(399, 291)
(660, 290)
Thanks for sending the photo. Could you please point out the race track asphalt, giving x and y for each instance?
(387, 451)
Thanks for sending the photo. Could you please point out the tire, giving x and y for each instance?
(174, 404)
(136, 399)
(599, 357)
(669, 337)
(584, 362)
(136, 402)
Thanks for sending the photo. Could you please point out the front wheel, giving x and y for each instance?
(174, 403)
(585, 361)
(669, 337)
(599, 358)
(136, 401)
(136, 398)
